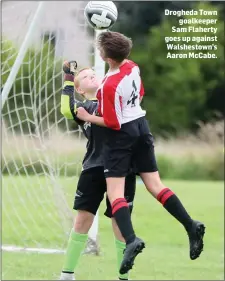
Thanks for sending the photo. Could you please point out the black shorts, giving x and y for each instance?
(91, 189)
(131, 146)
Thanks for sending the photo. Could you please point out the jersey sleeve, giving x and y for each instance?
(142, 90)
(111, 104)
(69, 104)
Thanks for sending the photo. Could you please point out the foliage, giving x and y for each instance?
(135, 17)
(177, 90)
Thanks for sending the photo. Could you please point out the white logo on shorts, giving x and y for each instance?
(86, 125)
(106, 171)
(78, 193)
(130, 204)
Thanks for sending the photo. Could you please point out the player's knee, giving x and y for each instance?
(152, 182)
(83, 221)
(115, 188)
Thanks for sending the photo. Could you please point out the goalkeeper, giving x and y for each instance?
(92, 184)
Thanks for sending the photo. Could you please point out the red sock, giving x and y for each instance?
(121, 214)
(164, 195)
(118, 203)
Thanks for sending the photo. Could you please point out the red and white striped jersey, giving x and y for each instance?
(119, 96)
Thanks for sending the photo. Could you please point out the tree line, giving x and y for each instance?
(179, 92)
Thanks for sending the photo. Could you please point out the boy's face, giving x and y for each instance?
(88, 81)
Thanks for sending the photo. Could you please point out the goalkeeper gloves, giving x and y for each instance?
(69, 69)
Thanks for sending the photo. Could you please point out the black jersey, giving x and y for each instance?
(94, 133)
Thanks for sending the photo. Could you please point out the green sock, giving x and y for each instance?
(120, 246)
(74, 249)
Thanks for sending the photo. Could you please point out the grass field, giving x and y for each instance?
(30, 218)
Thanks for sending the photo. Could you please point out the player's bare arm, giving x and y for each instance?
(82, 114)
(85, 83)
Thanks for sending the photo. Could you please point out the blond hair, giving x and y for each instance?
(76, 81)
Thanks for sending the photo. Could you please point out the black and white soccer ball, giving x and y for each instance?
(100, 14)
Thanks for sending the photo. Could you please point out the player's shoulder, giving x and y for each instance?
(127, 68)
(130, 66)
(131, 63)
(114, 79)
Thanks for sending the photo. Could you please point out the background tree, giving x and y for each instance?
(178, 91)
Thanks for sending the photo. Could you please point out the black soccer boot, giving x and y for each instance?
(196, 234)
(130, 253)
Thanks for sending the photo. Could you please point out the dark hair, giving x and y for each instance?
(115, 45)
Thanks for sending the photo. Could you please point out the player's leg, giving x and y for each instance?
(117, 164)
(174, 206)
(117, 159)
(130, 187)
(120, 210)
(167, 198)
(87, 200)
(76, 243)
(120, 245)
(150, 176)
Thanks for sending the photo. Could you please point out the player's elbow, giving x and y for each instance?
(66, 112)
(112, 125)
(65, 107)
(116, 128)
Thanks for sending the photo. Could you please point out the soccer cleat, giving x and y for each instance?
(130, 253)
(67, 276)
(196, 234)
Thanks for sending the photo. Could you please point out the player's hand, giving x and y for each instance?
(82, 114)
(69, 67)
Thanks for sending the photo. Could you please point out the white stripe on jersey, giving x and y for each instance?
(130, 87)
(118, 107)
(120, 96)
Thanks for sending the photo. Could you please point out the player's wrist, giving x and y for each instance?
(90, 118)
(69, 77)
(97, 120)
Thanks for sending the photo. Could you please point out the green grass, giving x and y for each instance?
(182, 158)
(30, 218)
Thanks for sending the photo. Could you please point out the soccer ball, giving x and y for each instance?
(100, 14)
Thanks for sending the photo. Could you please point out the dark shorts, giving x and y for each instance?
(91, 189)
(132, 146)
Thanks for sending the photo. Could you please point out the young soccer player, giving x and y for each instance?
(92, 184)
(130, 140)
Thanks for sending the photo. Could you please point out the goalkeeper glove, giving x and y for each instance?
(69, 67)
